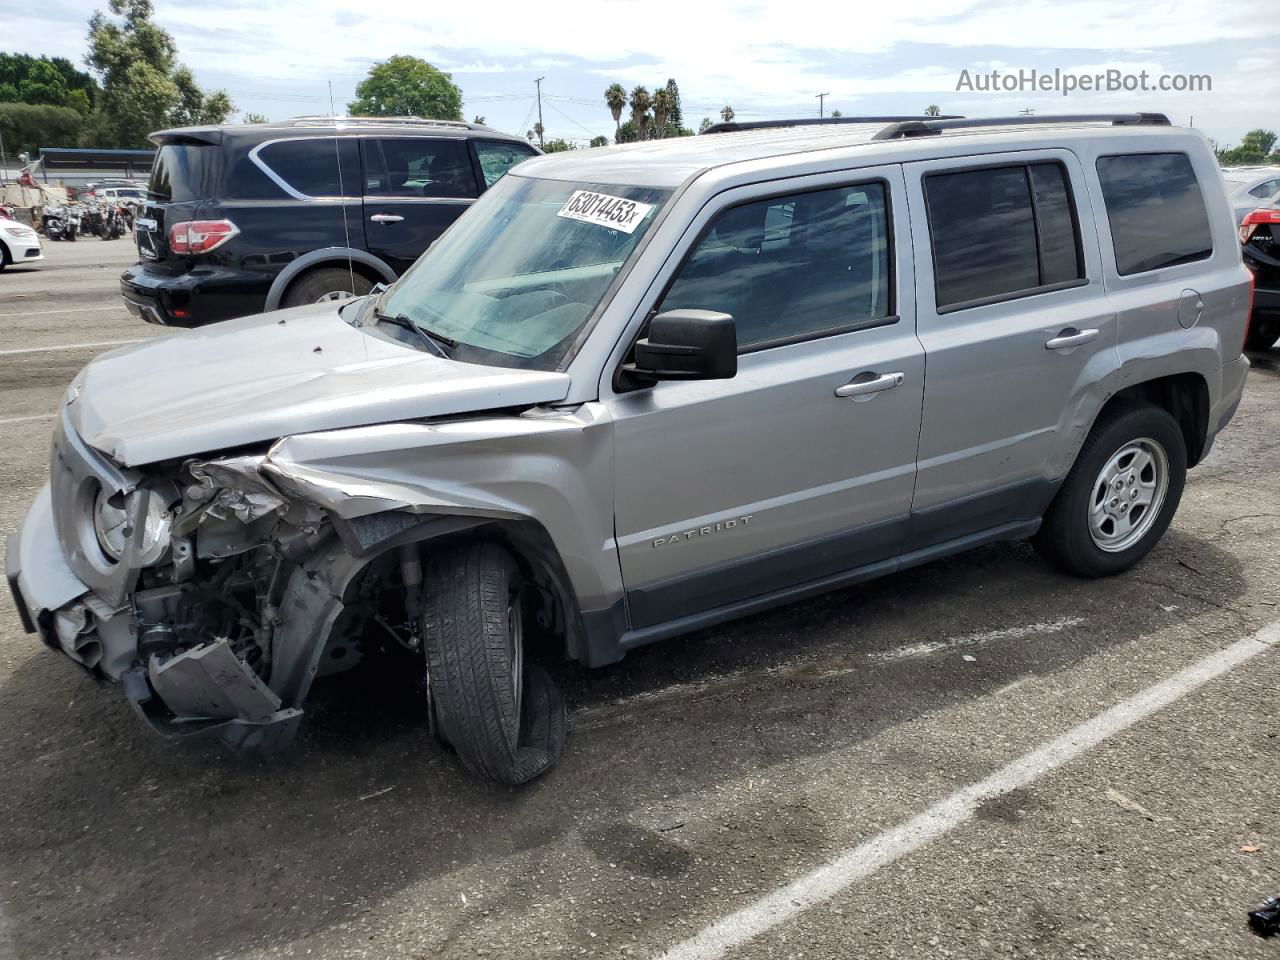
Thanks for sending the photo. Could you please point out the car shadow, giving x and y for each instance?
(155, 851)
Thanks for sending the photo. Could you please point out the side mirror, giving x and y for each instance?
(687, 345)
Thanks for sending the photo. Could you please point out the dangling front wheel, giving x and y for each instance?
(503, 715)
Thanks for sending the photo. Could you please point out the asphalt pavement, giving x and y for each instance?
(976, 758)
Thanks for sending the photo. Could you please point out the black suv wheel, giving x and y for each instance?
(327, 283)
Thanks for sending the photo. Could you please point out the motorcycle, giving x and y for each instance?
(53, 221)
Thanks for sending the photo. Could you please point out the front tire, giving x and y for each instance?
(326, 284)
(504, 717)
(1120, 495)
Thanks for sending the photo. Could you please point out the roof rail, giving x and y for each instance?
(733, 125)
(319, 120)
(927, 126)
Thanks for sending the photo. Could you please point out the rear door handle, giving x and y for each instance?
(386, 218)
(872, 385)
(1065, 340)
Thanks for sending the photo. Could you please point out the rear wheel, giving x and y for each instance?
(1120, 496)
(1263, 333)
(502, 715)
(326, 284)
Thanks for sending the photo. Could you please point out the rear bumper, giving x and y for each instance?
(200, 296)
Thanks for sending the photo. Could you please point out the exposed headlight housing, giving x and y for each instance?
(110, 521)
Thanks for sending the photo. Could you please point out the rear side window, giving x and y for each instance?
(1001, 232)
(497, 157)
(795, 267)
(1264, 190)
(418, 167)
(1156, 211)
(310, 167)
(183, 172)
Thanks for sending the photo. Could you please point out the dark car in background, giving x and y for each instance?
(242, 219)
(1260, 237)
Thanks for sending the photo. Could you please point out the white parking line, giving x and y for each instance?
(862, 861)
(73, 346)
(975, 639)
(49, 313)
(34, 416)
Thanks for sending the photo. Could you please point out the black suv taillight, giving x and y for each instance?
(200, 236)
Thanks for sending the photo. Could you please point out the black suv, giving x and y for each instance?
(1260, 234)
(242, 219)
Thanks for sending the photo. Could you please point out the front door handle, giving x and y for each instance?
(867, 385)
(386, 218)
(1066, 339)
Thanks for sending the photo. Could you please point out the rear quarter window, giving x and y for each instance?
(1155, 210)
(313, 166)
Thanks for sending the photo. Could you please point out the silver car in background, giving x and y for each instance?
(639, 390)
(1249, 188)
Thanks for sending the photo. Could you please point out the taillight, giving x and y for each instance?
(1252, 221)
(200, 236)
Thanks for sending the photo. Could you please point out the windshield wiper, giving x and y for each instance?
(439, 344)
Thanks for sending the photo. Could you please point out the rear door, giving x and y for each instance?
(414, 188)
(1016, 327)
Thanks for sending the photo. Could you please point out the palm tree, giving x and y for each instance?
(932, 110)
(640, 102)
(726, 114)
(616, 98)
(662, 105)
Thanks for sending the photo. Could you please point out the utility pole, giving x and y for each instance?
(538, 82)
(822, 99)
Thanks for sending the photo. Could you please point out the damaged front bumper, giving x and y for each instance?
(205, 692)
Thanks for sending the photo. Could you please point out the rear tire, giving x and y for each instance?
(1263, 333)
(325, 284)
(1120, 495)
(504, 717)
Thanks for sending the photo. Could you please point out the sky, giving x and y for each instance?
(766, 59)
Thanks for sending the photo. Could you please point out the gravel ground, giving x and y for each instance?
(701, 774)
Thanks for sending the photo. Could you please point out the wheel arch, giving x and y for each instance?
(1184, 396)
(363, 262)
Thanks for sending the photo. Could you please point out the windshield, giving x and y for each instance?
(515, 279)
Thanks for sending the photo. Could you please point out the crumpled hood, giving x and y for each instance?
(268, 376)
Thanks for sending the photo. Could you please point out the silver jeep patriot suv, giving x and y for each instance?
(638, 390)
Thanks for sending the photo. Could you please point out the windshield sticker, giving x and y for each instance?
(616, 213)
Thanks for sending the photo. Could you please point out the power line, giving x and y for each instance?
(593, 133)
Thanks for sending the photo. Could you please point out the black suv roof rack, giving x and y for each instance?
(931, 126)
(734, 126)
(324, 120)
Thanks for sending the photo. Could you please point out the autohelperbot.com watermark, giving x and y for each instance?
(1067, 82)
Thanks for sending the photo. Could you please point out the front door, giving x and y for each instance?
(801, 466)
(415, 187)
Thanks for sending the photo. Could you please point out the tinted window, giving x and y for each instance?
(792, 267)
(419, 167)
(497, 157)
(1055, 225)
(1155, 209)
(1000, 232)
(311, 166)
(1264, 190)
(184, 172)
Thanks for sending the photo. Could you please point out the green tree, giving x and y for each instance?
(640, 102)
(144, 88)
(1256, 147)
(253, 118)
(616, 99)
(836, 113)
(727, 114)
(932, 110)
(26, 126)
(662, 106)
(478, 119)
(676, 119)
(558, 145)
(706, 122)
(45, 80)
(407, 86)
(599, 141)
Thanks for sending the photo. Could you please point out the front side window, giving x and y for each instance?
(1156, 211)
(1001, 232)
(497, 157)
(516, 279)
(419, 167)
(792, 268)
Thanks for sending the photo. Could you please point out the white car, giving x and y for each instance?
(1249, 188)
(18, 243)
